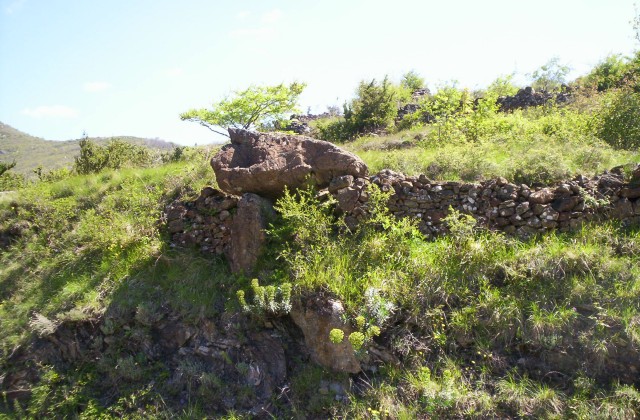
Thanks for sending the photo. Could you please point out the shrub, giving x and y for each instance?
(9, 180)
(620, 126)
(549, 77)
(412, 81)
(374, 108)
(117, 154)
(502, 86)
(607, 74)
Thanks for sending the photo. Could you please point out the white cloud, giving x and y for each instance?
(96, 86)
(174, 72)
(53, 111)
(272, 16)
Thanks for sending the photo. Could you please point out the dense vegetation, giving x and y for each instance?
(31, 152)
(482, 325)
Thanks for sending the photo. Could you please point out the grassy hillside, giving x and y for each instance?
(473, 325)
(29, 152)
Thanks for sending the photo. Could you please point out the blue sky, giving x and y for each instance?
(130, 67)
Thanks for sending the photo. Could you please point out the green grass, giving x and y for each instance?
(29, 152)
(484, 325)
(537, 145)
(91, 236)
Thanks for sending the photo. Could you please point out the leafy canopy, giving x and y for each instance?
(412, 80)
(374, 107)
(4, 167)
(257, 105)
(551, 76)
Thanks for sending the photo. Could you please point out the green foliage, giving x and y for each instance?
(268, 301)
(374, 107)
(256, 105)
(336, 336)
(412, 81)
(550, 76)
(9, 180)
(607, 74)
(4, 167)
(52, 175)
(117, 154)
(620, 125)
(502, 86)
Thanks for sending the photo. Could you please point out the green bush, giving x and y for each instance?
(117, 154)
(375, 107)
(607, 74)
(412, 81)
(621, 120)
(9, 180)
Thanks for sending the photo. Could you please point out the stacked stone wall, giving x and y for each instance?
(495, 204)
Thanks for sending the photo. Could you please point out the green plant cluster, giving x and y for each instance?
(374, 108)
(117, 154)
(359, 338)
(268, 301)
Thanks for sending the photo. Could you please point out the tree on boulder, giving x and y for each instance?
(257, 105)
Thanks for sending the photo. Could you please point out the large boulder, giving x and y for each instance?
(266, 163)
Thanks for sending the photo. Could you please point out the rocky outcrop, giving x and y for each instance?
(316, 317)
(248, 235)
(528, 97)
(266, 163)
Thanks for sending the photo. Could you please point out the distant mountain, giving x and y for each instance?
(29, 151)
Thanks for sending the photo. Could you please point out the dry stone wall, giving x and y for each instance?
(495, 204)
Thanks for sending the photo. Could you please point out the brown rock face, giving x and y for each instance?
(316, 317)
(544, 196)
(247, 232)
(264, 163)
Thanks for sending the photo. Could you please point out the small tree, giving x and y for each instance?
(257, 105)
(412, 81)
(374, 107)
(502, 86)
(550, 76)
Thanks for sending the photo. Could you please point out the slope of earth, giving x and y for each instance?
(29, 152)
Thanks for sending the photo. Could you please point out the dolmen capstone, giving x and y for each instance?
(266, 163)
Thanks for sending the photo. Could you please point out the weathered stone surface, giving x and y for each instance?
(566, 203)
(316, 317)
(347, 199)
(622, 209)
(340, 182)
(264, 163)
(635, 175)
(630, 192)
(610, 181)
(247, 232)
(543, 196)
(268, 369)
